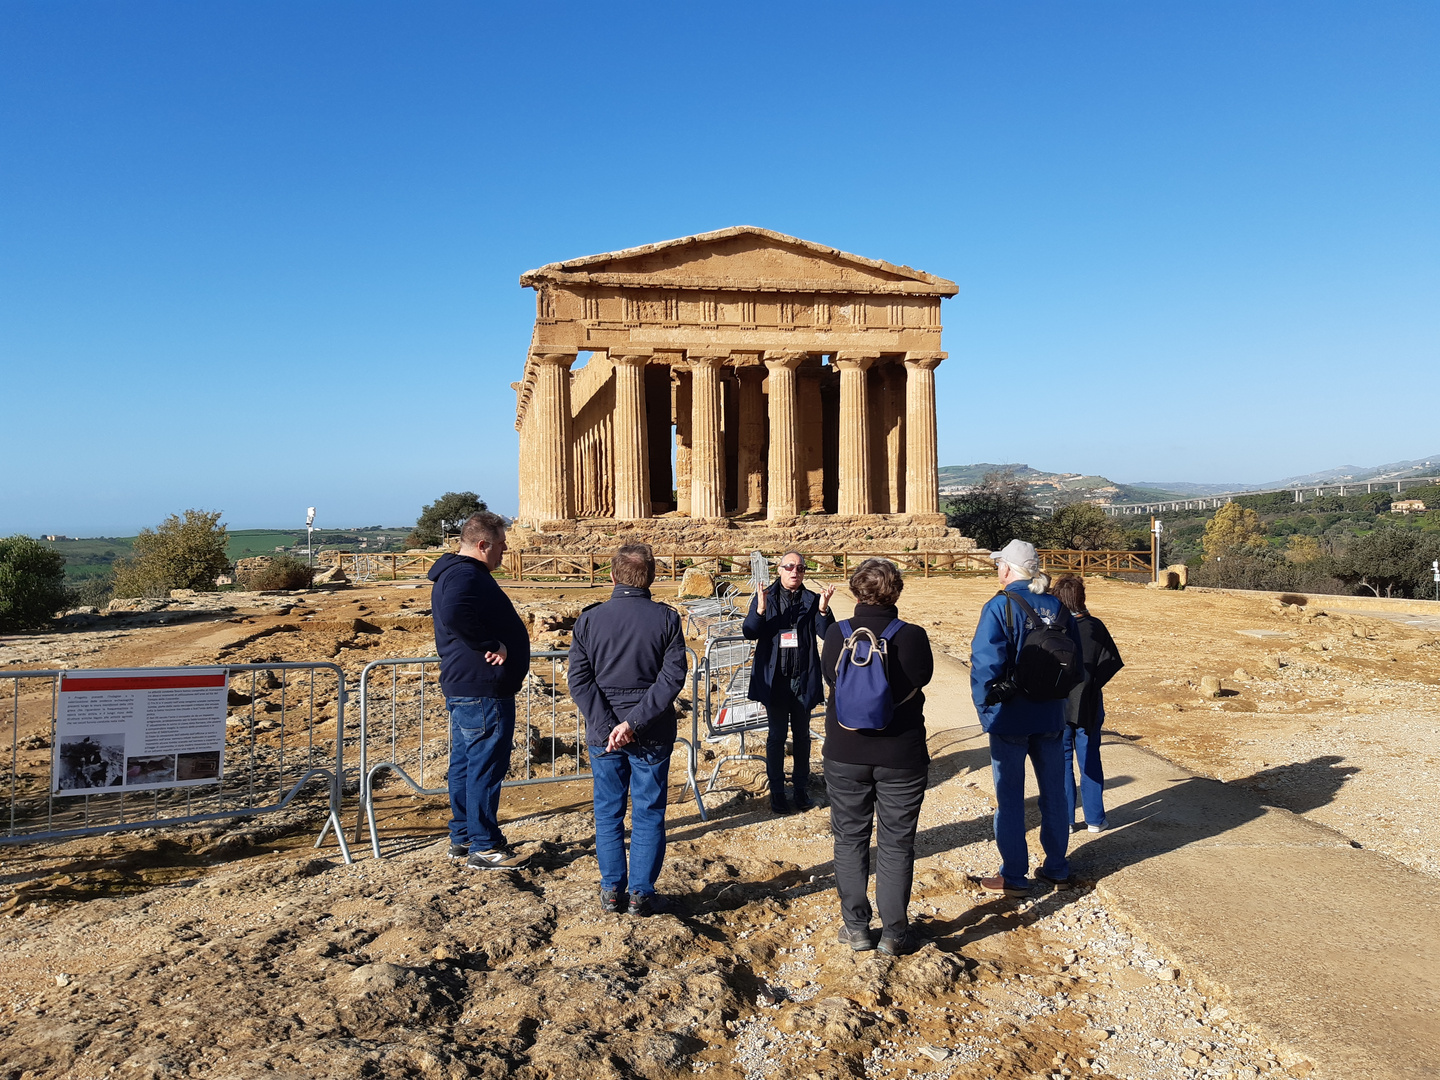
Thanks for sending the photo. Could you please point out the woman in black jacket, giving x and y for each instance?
(880, 775)
(1085, 708)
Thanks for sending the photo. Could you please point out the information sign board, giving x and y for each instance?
(138, 729)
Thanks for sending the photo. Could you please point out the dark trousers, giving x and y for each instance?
(788, 718)
(891, 798)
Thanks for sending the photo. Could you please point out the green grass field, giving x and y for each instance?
(95, 557)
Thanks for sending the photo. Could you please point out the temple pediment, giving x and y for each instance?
(743, 258)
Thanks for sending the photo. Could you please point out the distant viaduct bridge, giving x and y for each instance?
(1210, 502)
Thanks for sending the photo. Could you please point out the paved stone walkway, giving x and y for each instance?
(1335, 950)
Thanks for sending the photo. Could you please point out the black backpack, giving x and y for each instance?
(1049, 664)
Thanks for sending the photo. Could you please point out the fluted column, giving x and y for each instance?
(632, 460)
(854, 433)
(707, 452)
(922, 469)
(782, 367)
(751, 488)
(549, 438)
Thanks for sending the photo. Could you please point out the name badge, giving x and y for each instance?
(789, 639)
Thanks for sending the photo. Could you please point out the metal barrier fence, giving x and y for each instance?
(549, 731)
(280, 731)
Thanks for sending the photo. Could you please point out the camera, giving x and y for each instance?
(999, 691)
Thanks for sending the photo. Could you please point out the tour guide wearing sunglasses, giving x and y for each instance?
(786, 620)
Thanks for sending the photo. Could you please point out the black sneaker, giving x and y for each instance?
(1054, 882)
(501, 858)
(643, 906)
(459, 851)
(803, 802)
(613, 901)
(902, 945)
(781, 807)
(859, 940)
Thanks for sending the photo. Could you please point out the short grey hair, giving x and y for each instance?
(484, 527)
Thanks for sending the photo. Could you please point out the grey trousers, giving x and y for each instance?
(860, 794)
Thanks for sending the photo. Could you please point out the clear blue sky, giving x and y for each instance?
(258, 256)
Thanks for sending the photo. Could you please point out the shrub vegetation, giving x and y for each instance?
(183, 553)
(32, 583)
(281, 572)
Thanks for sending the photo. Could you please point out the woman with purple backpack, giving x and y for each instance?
(876, 761)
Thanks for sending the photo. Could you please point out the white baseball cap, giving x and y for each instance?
(1018, 553)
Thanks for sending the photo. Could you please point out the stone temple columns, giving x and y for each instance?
(782, 367)
(854, 495)
(632, 460)
(751, 488)
(549, 485)
(707, 460)
(922, 472)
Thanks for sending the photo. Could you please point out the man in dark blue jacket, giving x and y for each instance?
(484, 652)
(786, 620)
(1020, 728)
(627, 667)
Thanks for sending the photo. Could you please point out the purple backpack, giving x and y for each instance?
(863, 701)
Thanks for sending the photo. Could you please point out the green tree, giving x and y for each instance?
(995, 511)
(1388, 560)
(1079, 526)
(186, 553)
(1234, 530)
(32, 583)
(443, 518)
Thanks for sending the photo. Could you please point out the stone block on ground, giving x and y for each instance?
(696, 584)
(1210, 686)
(331, 575)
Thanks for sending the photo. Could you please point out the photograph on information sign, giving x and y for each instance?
(139, 729)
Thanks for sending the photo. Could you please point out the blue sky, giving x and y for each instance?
(260, 256)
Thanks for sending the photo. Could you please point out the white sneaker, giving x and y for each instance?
(1095, 828)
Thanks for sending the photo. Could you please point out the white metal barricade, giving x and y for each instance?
(405, 730)
(281, 738)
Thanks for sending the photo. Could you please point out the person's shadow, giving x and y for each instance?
(1195, 810)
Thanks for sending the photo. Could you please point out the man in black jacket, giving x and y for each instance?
(786, 620)
(484, 652)
(627, 667)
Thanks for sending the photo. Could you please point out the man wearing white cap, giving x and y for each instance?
(1021, 718)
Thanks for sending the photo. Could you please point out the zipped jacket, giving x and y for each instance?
(998, 638)
(803, 615)
(627, 663)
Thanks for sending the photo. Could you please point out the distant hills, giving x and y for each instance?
(1395, 470)
(1047, 486)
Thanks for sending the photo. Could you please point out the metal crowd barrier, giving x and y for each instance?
(728, 710)
(279, 744)
(416, 738)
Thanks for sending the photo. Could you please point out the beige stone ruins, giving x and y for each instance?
(733, 383)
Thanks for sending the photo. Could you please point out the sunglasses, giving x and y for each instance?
(793, 566)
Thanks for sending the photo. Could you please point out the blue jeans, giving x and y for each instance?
(1085, 748)
(482, 731)
(640, 772)
(1007, 767)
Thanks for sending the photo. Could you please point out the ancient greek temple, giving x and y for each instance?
(738, 378)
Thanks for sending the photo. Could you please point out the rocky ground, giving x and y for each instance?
(237, 950)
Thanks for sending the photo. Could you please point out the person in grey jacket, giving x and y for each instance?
(627, 667)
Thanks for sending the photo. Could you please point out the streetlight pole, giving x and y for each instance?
(1156, 528)
(310, 535)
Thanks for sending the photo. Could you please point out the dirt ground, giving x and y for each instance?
(236, 950)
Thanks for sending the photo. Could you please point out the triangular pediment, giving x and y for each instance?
(741, 258)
